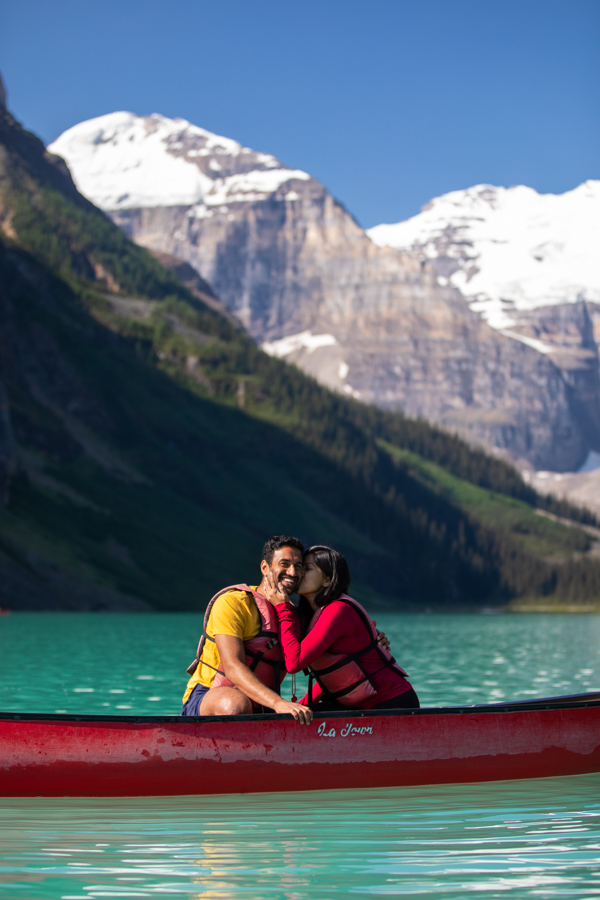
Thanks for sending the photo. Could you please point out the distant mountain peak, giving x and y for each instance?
(508, 248)
(125, 161)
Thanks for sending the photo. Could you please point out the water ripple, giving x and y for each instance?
(535, 839)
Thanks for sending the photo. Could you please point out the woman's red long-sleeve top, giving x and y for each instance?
(339, 629)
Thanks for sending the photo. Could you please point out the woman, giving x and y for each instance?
(340, 646)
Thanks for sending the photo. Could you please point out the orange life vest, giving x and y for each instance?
(263, 652)
(340, 675)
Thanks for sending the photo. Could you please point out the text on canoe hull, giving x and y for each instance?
(346, 731)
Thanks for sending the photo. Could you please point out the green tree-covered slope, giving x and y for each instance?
(147, 447)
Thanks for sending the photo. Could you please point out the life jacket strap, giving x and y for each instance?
(387, 663)
(350, 657)
(206, 637)
(257, 657)
(335, 695)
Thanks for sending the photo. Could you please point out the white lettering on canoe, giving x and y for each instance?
(323, 732)
(353, 729)
(346, 731)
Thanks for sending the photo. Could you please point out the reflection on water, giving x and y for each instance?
(536, 839)
(533, 839)
(136, 664)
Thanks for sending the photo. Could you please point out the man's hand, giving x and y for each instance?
(302, 714)
(382, 638)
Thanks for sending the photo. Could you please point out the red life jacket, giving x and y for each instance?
(263, 652)
(340, 675)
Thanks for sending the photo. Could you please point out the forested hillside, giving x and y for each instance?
(147, 446)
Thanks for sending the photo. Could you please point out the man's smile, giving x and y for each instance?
(288, 582)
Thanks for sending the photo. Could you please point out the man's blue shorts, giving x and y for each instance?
(191, 707)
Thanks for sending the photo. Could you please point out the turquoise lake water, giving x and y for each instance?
(530, 839)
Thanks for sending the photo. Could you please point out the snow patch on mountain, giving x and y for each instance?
(508, 248)
(304, 340)
(124, 161)
(540, 346)
(251, 186)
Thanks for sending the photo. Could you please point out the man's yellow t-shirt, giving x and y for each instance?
(233, 613)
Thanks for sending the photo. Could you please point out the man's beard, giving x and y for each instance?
(277, 582)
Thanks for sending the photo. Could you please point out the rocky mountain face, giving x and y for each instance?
(529, 264)
(142, 436)
(384, 324)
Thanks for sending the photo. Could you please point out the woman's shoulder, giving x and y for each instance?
(348, 608)
(338, 607)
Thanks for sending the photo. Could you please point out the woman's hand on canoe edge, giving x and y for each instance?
(302, 714)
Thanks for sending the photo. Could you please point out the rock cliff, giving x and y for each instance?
(528, 263)
(127, 450)
(376, 322)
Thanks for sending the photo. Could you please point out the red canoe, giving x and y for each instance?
(104, 756)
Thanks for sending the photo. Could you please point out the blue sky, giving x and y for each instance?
(387, 102)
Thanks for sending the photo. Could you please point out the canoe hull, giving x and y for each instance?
(103, 757)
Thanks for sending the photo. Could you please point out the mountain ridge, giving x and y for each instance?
(147, 434)
(306, 281)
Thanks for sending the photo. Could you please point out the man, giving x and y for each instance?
(223, 682)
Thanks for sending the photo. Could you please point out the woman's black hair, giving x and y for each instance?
(334, 566)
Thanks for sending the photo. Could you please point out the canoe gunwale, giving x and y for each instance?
(577, 701)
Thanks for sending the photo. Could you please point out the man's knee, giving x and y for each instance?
(234, 704)
(225, 701)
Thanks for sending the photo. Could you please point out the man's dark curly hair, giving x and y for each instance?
(279, 541)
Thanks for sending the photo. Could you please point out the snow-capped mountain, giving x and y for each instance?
(385, 325)
(508, 249)
(123, 161)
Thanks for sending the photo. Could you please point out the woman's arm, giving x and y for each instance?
(331, 625)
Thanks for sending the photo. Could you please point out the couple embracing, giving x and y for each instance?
(254, 635)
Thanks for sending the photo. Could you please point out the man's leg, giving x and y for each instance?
(225, 701)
